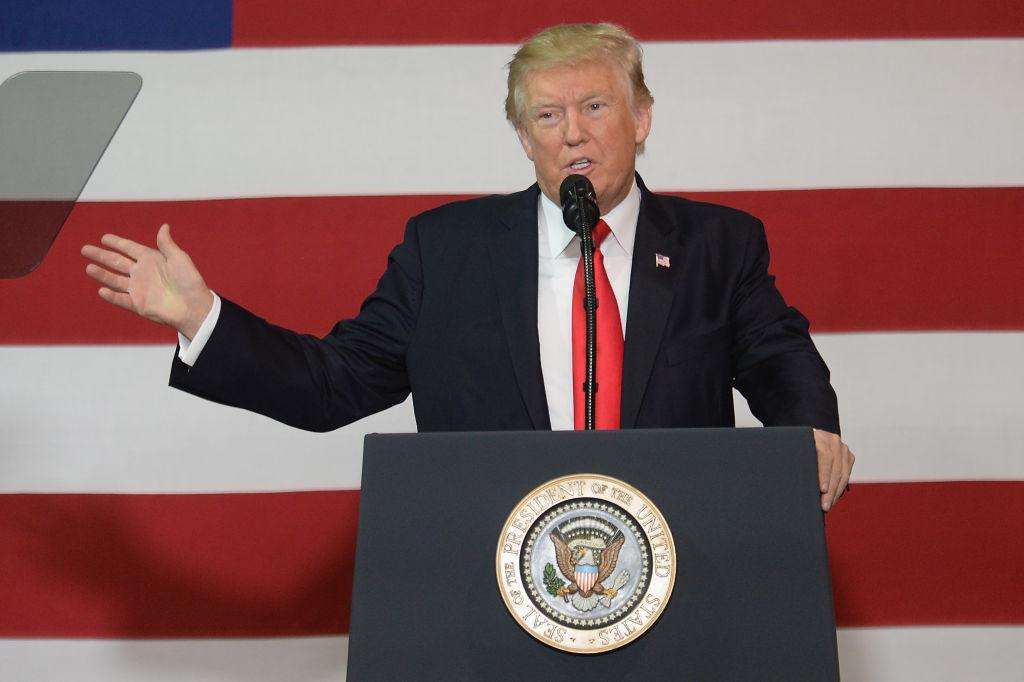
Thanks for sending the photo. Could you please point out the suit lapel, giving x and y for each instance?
(650, 299)
(514, 263)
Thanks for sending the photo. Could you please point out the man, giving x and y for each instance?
(474, 313)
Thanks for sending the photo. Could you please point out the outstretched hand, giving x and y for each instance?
(160, 284)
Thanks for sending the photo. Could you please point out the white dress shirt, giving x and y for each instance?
(188, 351)
(559, 252)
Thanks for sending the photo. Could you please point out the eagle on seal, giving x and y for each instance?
(586, 567)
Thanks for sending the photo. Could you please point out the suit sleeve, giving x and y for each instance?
(317, 384)
(777, 367)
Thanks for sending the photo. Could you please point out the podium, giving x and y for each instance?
(751, 598)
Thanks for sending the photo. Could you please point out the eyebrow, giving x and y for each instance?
(546, 104)
(543, 105)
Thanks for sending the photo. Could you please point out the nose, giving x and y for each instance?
(575, 133)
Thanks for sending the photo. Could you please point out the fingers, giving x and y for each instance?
(109, 259)
(824, 471)
(837, 473)
(125, 246)
(835, 464)
(120, 299)
(821, 444)
(848, 460)
(109, 280)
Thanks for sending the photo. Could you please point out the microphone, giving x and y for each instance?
(579, 204)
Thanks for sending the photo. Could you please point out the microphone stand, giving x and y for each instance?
(590, 302)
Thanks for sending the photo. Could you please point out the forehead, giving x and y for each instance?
(572, 82)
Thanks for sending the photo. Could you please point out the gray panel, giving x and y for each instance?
(54, 127)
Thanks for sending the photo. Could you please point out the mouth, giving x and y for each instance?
(580, 165)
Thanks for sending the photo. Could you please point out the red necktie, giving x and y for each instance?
(609, 343)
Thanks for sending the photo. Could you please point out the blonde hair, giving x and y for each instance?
(571, 44)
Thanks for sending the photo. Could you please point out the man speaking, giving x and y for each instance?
(479, 313)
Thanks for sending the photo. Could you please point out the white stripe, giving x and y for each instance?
(397, 120)
(103, 419)
(300, 659)
(928, 406)
(936, 654)
(948, 654)
(914, 407)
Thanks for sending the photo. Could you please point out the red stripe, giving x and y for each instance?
(290, 259)
(928, 553)
(360, 22)
(268, 564)
(896, 259)
(228, 565)
(851, 259)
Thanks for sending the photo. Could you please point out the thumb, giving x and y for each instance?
(164, 241)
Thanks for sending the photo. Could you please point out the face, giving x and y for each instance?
(579, 119)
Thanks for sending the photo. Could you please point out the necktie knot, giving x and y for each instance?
(601, 230)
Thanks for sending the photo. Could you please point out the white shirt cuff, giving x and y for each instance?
(189, 351)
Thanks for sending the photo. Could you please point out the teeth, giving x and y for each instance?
(578, 165)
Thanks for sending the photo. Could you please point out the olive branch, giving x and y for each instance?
(551, 580)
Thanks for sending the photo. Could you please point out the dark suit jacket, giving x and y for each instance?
(454, 320)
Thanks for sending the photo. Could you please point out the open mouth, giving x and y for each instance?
(579, 164)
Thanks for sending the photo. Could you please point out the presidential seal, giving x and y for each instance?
(586, 563)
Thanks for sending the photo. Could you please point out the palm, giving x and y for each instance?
(160, 284)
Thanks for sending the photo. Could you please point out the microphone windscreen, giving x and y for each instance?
(574, 186)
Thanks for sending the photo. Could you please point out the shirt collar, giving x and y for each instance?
(622, 220)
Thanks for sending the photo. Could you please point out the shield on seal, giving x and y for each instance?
(586, 576)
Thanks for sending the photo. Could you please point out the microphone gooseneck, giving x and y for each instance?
(580, 213)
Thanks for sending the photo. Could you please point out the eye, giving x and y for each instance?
(546, 118)
(595, 106)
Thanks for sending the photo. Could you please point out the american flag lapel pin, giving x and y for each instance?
(661, 261)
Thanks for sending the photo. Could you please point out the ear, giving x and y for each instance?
(524, 139)
(643, 124)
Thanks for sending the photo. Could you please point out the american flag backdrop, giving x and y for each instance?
(147, 535)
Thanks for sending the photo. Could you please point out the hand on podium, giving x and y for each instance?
(835, 462)
(160, 284)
